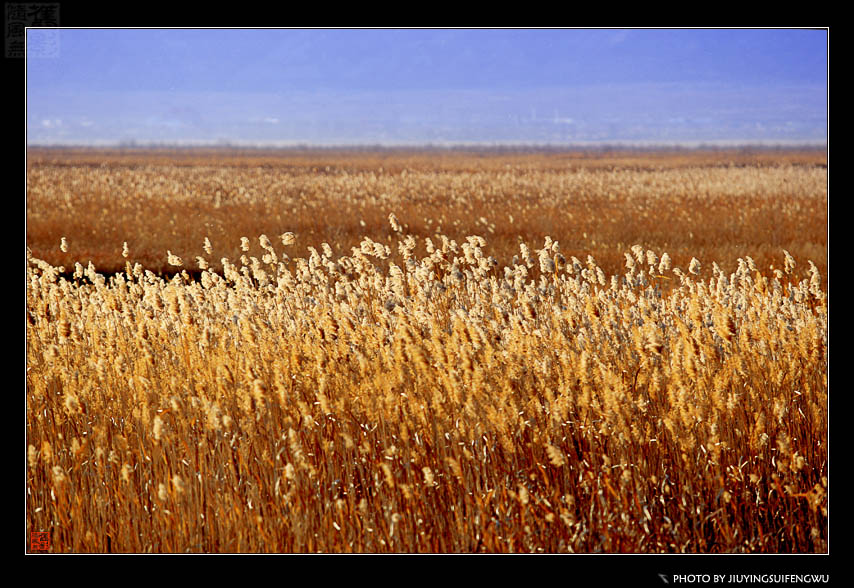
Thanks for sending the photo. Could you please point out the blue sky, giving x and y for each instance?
(418, 86)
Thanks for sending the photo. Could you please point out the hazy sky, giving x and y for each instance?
(404, 86)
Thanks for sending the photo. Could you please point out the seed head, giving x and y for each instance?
(651, 257)
(158, 428)
(630, 261)
(173, 259)
(395, 225)
(664, 264)
(58, 475)
(724, 325)
(789, 263)
(556, 457)
(523, 495)
(694, 266)
(428, 476)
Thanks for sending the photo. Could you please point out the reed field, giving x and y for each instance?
(439, 351)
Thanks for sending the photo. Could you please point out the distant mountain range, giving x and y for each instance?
(429, 86)
(667, 113)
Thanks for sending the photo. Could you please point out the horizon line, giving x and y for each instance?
(437, 145)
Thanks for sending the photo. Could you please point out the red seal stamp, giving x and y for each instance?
(39, 541)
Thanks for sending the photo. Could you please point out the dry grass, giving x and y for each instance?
(712, 205)
(438, 383)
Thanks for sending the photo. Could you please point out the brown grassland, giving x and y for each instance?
(441, 351)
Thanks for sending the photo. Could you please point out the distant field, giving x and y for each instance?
(715, 205)
(427, 351)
